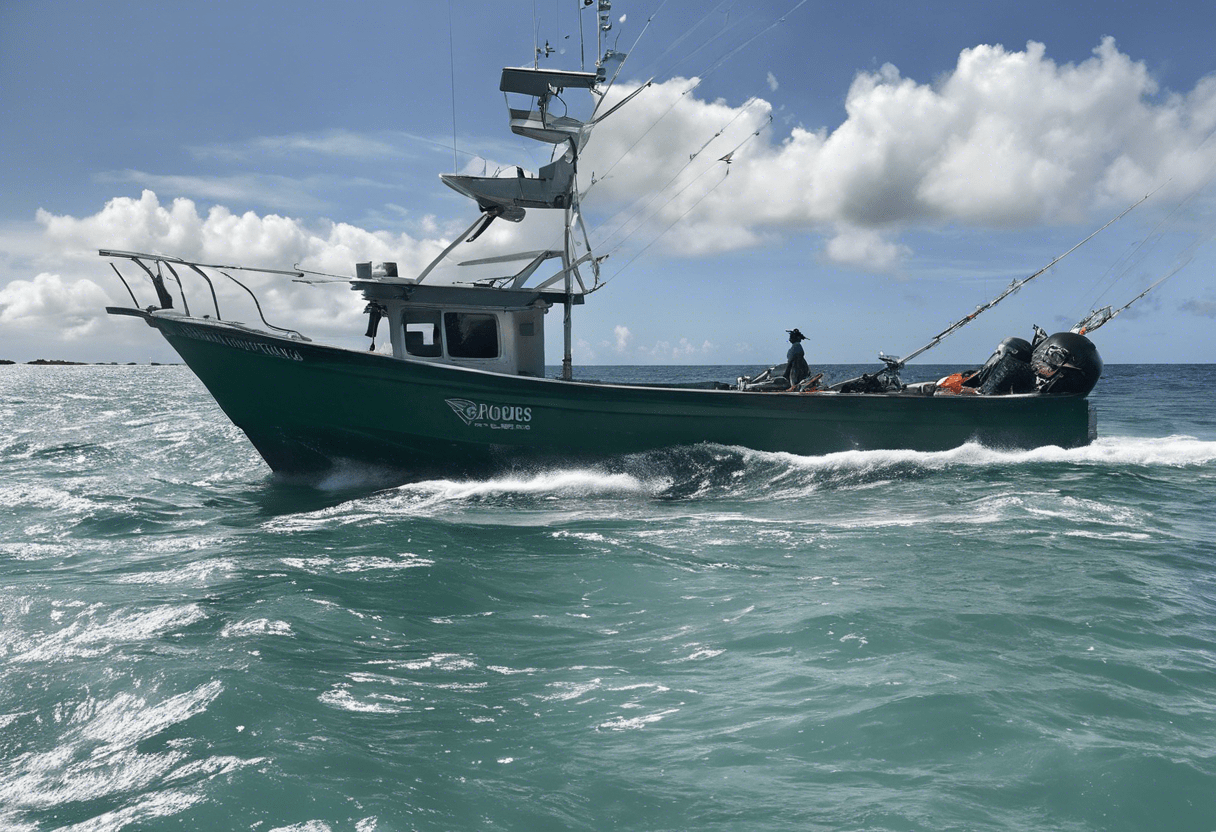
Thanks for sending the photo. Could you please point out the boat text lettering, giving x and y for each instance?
(250, 346)
(497, 416)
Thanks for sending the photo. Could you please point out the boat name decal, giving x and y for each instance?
(250, 346)
(496, 416)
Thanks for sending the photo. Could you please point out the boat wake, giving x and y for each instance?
(741, 474)
(1169, 451)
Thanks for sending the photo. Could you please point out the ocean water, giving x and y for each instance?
(701, 639)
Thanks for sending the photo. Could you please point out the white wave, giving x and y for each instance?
(87, 637)
(591, 537)
(162, 804)
(325, 564)
(623, 724)
(700, 653)
(572, 482)
(198, 573)
(127, 719)
(256, 627)
(441, 661)
(432, 496)
(98, 756)
(511, 671)
(341, 698)
(1171, 451)
(42, 496)
(1033, 507)
(571, 690)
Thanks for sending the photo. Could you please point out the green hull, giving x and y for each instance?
(305, 407)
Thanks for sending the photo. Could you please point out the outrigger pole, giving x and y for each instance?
(896, 364)
(1098, 317)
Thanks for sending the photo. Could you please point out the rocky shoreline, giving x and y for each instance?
(59, 362)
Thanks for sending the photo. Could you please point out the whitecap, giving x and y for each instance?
(622, 724)
(256, 627)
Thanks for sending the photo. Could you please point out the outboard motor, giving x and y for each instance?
(1007, 370)
(1066, 362)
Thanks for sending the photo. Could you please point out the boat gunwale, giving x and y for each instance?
(173, 316)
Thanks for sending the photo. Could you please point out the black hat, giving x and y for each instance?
(794, 333)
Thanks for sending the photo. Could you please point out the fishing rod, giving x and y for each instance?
(1104, 315)
(896, 364)
(1098, 317)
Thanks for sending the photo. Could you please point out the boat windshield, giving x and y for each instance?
(470, 335)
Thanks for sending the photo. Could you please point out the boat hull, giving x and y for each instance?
(307, 407)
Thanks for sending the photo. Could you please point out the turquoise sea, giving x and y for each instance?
(703, 639)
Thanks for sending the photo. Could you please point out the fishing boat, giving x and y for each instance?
(464, 390)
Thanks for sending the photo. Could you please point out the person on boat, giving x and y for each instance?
(796, 368)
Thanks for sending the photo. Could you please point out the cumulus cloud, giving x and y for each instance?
(47, 300)
(1007, 139)
(221, 236)
(681, 350)
(865, 248)
(771, 79)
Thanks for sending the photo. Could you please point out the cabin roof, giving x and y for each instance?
(487, 296)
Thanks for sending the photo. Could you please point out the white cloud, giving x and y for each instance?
(623, 335)
(1007, 139)
(342, 143)
(865, 248)
(48, 301)
(772, 82)
(220, 236)
(681, 350)
(283, 192)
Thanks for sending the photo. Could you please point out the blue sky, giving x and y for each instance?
(918, 158)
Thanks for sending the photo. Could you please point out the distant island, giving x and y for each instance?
(59, 362)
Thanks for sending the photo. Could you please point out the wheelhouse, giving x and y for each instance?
(500, 330)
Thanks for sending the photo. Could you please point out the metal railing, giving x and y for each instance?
(165, 299)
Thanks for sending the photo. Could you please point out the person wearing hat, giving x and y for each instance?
(796, 368)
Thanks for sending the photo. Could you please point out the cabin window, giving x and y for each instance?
(422, 333)
(470, 335)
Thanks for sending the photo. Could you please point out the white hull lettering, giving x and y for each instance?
(238, 343)
(495, 416)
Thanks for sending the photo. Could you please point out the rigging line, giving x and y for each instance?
(452, 70)
(621, 65)
(692, 157)
(683, 38)
(1096, 319)
(763, 31)
(664, 231)
(727, 29)
(683, 215)
(644, 207)
(1133, 257)
(898, 363)
(697, 82)
(1125, 264)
